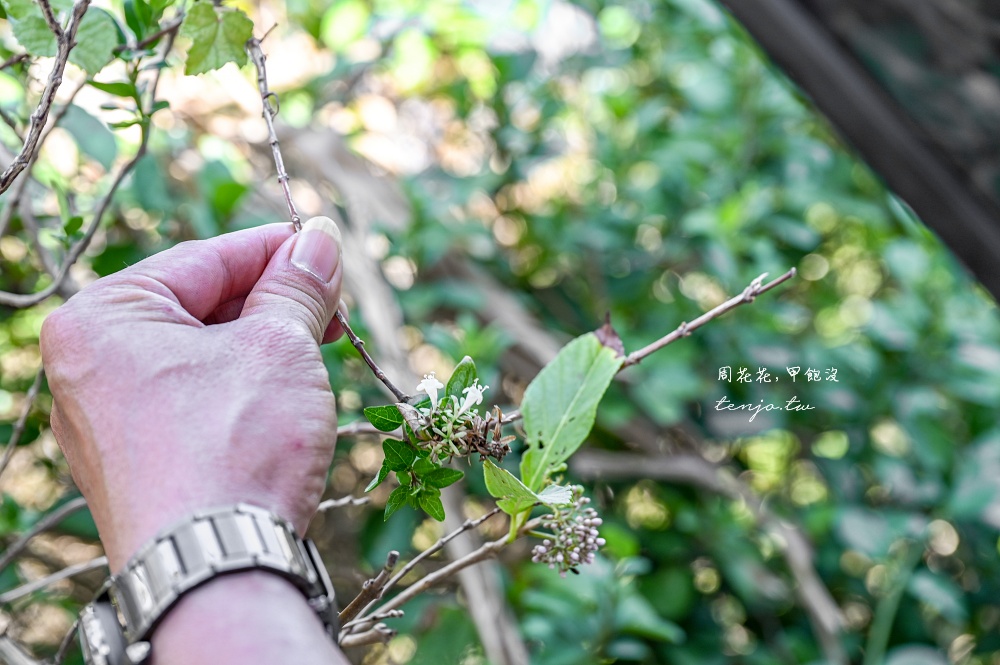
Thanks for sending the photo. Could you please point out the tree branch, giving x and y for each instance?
(12, 654)
(40, 115)
(755, 288)
(13, 60)
(44, 524)
(22, 420)
(67, 572)
(370, 589)
(378, 633)
(360, 427)
(340, 503)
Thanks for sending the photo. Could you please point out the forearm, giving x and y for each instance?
(243, 619)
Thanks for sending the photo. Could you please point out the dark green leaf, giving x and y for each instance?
(442, 477)
(465, 375)
(73, 225)
(502, 484)
(117, 88)
(430, 502)
(396, 500)
(384, 418)
(379, 477)
(398, 454)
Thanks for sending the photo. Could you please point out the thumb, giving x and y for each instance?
(302, 280)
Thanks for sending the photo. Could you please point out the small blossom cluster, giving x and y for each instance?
(574, 538)
(452, 427)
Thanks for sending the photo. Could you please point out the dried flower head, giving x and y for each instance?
(573, 539)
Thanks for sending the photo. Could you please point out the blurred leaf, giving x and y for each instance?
(218, 37)
(92, 135)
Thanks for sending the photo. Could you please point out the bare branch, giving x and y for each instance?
(77, 250)
(12, 654)
(755, 288)
(67, 640)
(22, 420)
(364, 623)
(168, 28)
(50, 19)
(269, 100)
(65, 43)
(67, 572)
(360, 427)
(370, 589)
(340, 503)
(359, 344)
(44, 524)
(13, 60)
(378, 633)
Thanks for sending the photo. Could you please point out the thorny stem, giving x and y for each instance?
(269, 101)
(65, 43)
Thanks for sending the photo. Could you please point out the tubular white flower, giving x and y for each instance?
(473, 397)
(431, 386)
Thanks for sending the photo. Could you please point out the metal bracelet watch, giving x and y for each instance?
(116, 626)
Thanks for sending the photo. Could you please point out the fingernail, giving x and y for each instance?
(317, 249)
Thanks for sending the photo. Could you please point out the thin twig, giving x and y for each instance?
(171, 27)
(755, 288)
(67, 572)
(12, 654)
(361, 427)
(378, 633)
(468, 525)
(13, 60)
(50, 19)
(344, 501)
(40, 116)
(77, 250)
(359, 344)
(22, 420)
(44, 524)
(67, 640)
(370, 589)
(269, 101)
(364, 623)
(486, 551)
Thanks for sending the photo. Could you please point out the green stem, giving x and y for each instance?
(888, 606)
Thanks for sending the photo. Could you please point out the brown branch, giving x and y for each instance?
(370, 589)
(486, 551)
(361, 427)
(755, 288)
(65, 573)
(691, 469)
(50, 19)
(364, 623)
(13, 60)
(65, 43)
(77, 250)
(22, 421)
(44, 524)
(269, 101)
(468, 525)
(168, 28)
(359, 344)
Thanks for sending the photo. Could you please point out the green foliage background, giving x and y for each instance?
(648, 175)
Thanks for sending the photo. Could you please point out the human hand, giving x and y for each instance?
(194, 379)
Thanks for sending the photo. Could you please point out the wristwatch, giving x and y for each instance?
(115, 627)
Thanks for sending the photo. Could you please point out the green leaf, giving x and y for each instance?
(384, 418)
(137, 17)
(396, 500)
(465, 375)
(560, 405)
(442, 477)
(502, 484)
(423, 466)
(398, 455)
(117, 88)
(218, 37)
(635, 615)
(430, 502)
(29, 27)
(377, 480)
(96, 39)
(73, 225)
(93, 136)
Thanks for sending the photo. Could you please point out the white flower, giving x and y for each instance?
(431, 386)
(473, 397)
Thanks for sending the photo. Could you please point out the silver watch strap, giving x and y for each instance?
(210, 543)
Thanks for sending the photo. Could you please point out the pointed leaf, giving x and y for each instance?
(465, 375)
(399, 456)
(502, 484)
(442, 477)
(560, 405)
(395, 502)
(430, 502)
(379, 477)
(384, 418)
(218, 37)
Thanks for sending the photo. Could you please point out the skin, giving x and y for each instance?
(194, 379)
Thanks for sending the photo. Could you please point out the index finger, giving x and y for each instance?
(200, 275)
